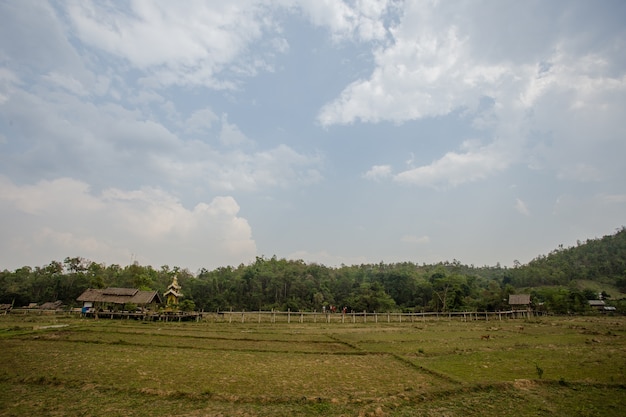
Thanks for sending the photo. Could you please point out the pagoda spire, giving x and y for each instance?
(173, 292)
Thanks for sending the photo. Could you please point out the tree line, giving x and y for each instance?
(280, 284)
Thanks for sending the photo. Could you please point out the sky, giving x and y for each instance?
(203, 134)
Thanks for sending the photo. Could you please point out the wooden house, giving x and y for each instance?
(109, 298)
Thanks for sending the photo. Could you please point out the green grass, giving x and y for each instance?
(431, 368)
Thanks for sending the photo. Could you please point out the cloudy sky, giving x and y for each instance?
(205, 133)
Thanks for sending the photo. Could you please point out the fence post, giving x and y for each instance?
(364, 316)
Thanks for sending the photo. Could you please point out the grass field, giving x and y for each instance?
(66, 366)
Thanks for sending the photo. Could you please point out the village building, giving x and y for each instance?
(173, 294)
(117, 298)
(521, 304)
(52, 305)
(519, 301)
(596, 304)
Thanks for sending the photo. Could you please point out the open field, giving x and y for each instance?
(66, 366)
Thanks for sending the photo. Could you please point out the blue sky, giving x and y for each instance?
(205, 133)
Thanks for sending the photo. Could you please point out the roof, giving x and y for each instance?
(596, 303)
(519, 299)
(51, 305)
(173, 292)
(174, 285)
(120, 296)
(120, 291)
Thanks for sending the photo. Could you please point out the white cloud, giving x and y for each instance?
(105, 142)
(66, 82)
(415, 239)
(48, 196)
(425, 72)
(580, 172)
(378, 172)
(613, 198)
(278, 167)
(456, 168)
(200, 121)
(62, 217)
(447, 58)
(176, 43)
(33, 39)
(231, 135)
(521, 207)
(361, 19)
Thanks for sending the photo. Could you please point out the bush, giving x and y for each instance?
(187, 305)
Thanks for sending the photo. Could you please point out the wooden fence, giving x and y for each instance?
(295, 317)
(361, 317)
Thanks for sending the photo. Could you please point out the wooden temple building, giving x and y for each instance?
(114, 303)
(173, 294)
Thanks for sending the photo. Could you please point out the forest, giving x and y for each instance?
(559, 282)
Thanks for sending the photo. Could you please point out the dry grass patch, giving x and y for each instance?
(434, 368)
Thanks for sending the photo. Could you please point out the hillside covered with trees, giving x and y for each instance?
(561, 281)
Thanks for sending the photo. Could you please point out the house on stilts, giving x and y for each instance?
(117, 299)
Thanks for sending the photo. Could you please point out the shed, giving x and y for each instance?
(519, 300)
(119, 296)
(596, 304)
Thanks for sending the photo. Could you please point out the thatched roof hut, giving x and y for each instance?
(119, 296)
(52, 305)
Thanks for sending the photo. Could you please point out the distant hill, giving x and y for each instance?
(601, 260)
